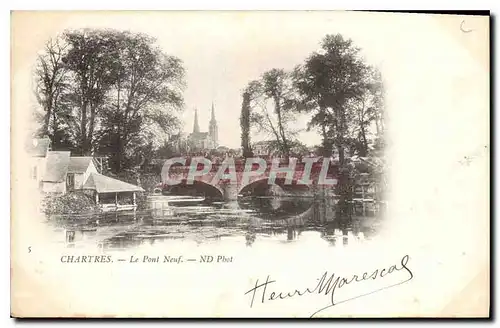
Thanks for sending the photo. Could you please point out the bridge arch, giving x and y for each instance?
(197, 188)
(261, 187)
(278, 201)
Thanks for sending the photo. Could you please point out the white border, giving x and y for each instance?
(158, 5)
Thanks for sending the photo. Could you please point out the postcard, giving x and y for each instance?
(239, 164)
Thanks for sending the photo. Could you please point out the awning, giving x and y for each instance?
(104, 184)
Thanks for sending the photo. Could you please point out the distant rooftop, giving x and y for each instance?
(79, 164)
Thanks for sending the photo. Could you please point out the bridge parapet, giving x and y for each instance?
(309, 171)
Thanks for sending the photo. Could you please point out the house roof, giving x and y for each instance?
(38, 147)
(79, 164)
(104, 184)
(57, 166)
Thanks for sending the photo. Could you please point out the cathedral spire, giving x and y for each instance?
(213, 113)
(196, 127)
(212, 127)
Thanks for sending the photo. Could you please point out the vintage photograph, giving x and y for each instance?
(110, 116)
(215, 140)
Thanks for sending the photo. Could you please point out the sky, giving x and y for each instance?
(223, 51)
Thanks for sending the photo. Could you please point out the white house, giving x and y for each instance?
(64, 173)
(79, 170)
(38, 150)
(56, 171)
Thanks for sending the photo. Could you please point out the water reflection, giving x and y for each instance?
(276, 208)
(283, 219)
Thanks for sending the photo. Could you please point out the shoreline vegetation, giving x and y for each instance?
(70, 203)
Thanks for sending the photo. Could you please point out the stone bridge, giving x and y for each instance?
(240, 178)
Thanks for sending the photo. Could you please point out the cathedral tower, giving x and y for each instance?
(196, 127)
(212, 127)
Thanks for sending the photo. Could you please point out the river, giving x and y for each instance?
(248, 220)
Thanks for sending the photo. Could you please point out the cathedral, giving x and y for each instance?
(197, 141)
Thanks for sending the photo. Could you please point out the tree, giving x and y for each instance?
(51, 83)
(312, 82)
(110, 92)
(297, 148)
(245, 125)
(376, 90)
(329, 82)
(274, 88)
(166, 150)
(143, 98)
(366, 108)
(90, 60)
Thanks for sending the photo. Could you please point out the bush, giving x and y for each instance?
(70, 203)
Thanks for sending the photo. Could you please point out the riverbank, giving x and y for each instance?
(79, 203)
(70, 203)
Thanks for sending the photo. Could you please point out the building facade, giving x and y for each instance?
(197, 140)
(38, 150)
(79, 170)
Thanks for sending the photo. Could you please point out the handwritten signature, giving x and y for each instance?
(328, 284)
